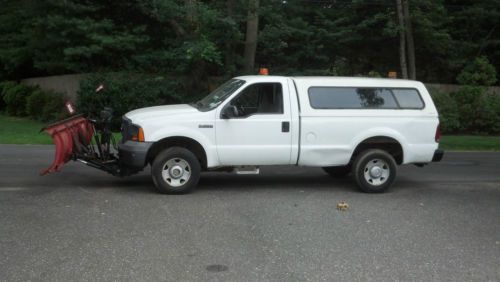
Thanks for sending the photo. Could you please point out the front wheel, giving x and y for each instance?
(374, 171)
(175, 171)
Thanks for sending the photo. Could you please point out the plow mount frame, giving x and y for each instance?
(84, 140)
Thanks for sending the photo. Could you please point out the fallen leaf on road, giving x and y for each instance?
(342, 206)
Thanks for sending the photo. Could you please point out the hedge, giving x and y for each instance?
(470, 110)
(45, 105)
(22, 100)
(14, 96)
(124, 92)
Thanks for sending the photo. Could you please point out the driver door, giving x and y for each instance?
(253, 128)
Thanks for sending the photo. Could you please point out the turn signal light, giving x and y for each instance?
(140, 135)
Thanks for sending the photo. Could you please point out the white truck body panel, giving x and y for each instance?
(316, 137)
(257, 139)
(329, 136)
(178, 121)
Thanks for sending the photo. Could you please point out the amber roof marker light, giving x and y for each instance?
(263, 71)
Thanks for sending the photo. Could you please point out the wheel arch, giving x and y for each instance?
(178, 141)
(383, 142)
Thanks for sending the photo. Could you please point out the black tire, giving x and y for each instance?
(175, 160)
(338, 171)
(371, 182)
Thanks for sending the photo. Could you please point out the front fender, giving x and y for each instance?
(200, 137)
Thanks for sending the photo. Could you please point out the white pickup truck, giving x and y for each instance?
(362, 126)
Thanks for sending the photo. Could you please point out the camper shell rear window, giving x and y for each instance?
(364, 98)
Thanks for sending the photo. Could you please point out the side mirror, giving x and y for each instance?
(229, 111)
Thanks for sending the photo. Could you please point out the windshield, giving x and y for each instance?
(219, 95)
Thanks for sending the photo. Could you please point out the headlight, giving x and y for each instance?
(137, 133)
(131, 131)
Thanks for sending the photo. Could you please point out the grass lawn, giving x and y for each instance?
(14, 130)
(470, 143)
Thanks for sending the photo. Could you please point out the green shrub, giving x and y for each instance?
(448, 111)
(478, 110)
(125, 92)
(15, 98)
(488, 114)
(468, 100)
(35, 103)
(478, 72)
(53, 109)
(4, 85)
(45, 105)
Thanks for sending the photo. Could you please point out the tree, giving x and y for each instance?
(16, 33)
(412, 73)
(476, 114)
(251, 36)
(474, 28)
(198, 39)
(402, 39)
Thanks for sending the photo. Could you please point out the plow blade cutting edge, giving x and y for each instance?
(71, 136)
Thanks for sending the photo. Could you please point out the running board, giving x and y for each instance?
(247, 170)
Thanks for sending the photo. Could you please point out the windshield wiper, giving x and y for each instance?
(197, 104)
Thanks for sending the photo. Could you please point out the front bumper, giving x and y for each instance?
(133, 154)
(438, 155)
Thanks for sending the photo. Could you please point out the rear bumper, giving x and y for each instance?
(438, 155)
(133, 154)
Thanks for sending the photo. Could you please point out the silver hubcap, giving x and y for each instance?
(377, 172)
(176, 172)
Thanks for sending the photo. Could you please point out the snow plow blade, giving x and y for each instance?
(71, 136)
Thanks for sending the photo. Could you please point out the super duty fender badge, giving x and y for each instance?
(205, 126)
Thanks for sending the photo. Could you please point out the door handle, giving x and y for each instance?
(285, 126)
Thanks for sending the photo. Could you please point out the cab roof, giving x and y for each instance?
(340, 80)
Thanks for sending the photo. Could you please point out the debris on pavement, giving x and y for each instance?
(342, 206)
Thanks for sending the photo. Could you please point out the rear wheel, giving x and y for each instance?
(374, 171)
(175, 171)
(338, 171)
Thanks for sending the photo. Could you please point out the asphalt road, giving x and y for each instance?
(441, 222)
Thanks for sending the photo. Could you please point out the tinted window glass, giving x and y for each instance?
(260, 98)
(350, 98)
(408, 98)
(219, 95)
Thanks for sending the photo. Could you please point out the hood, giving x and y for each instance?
(159, 111)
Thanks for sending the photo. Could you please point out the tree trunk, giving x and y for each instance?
(251, 36)
(229, 58)
(179, 31)
(409, 39)
(402, 40)
(191, 14)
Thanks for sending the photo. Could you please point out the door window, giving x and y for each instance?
(259, 98)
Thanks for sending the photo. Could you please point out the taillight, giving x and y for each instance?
(437, 138)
